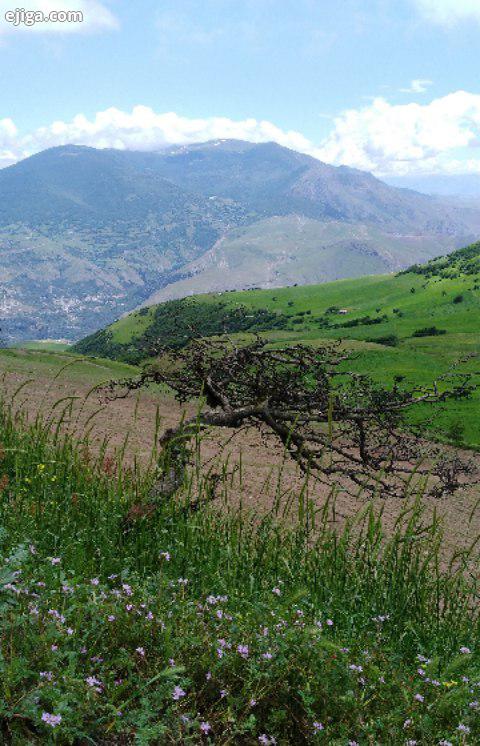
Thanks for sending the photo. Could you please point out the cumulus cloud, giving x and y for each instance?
(408, 138)
(96, 17)
(142, 129)
(419, 85)
(442, 136)
(446, 12)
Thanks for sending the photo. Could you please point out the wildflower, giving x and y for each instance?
(69, 631)
(243, 650)
(463, 728)
(48, 675)
(32, 549)
(149, 616)
(317, 727)
(407, 723)
(419, 698)
(205, 727)
(54, 648)
(112, 577)
(182, 581)
(465, 651)
(208, 676)
(55, 560)
(52, 720)
(178, 693)
(266, 740)
(140, 651)
(267, 656)
(166, 556)
(411, 743)
(329, 622)
(421, 672)
(93, 682)
(127, 589)
(473, 705)
(223, 693)
(445, 743)
(171, 662)
(95, 581)
(111, 617)
(277, 591)
(252, 702)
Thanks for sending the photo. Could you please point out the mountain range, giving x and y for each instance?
(87, 235)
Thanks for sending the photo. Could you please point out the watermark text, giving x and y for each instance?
(22, 17)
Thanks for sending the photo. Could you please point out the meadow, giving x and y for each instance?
(192, 624)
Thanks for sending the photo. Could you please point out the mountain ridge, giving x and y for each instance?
(88, 234)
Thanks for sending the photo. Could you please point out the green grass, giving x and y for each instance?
(403, 304)
(39, 363)
(148, 631)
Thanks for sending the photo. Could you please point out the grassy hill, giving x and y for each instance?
(415, 324)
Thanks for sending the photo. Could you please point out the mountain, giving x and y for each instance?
(87, 235)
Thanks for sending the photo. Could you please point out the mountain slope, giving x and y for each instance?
(86, 235)
(416, 325)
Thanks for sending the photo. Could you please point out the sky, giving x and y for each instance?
(388, 86)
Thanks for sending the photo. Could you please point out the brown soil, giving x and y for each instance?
(259, 470)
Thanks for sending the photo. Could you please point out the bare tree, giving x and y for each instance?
(337, 425)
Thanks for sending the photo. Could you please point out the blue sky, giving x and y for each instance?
(391, 86)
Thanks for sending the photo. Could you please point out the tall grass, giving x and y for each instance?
(188, 625)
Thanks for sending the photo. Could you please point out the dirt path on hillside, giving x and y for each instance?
(255, 461)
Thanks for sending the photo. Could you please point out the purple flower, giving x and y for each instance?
(165, 555)
(267, 656)
(463, 728)
(419, 698)
(111, 618)
(140, 651)
(465, 651)
(266, 740)
(317, 727)
(95, 581)
(252, 702)
(243, 650)
(205, 727)
(55, 561)
(223, 693)
(178, 693)
(277, 591)
(52, 720)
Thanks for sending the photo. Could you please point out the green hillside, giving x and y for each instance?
(415, 324)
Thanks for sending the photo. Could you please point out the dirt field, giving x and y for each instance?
(257, 464)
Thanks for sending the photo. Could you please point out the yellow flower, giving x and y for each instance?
(450, 683)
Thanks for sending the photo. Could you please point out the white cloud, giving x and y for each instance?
(442, 136)
(408, 138)
(96, 17)
(419, 85)
(141, 129)
(446, 12)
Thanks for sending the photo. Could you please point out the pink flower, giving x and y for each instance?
(277, 591)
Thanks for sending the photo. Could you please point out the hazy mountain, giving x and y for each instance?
(446, 185)
(86, 234)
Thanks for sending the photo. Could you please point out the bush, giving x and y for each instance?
(390, 340)
(429, 331)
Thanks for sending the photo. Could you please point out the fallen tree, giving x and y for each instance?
(339, 426)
